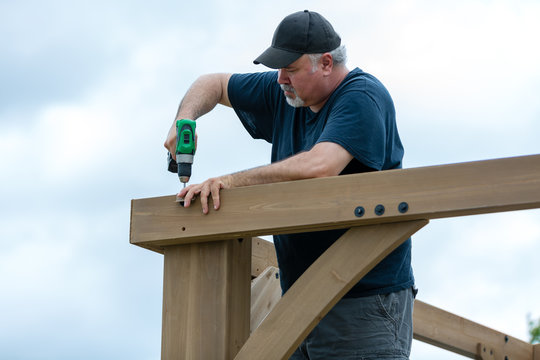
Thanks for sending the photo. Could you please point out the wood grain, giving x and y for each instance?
(263, 255)
(462, 336)
(431, 325)
(265, 293)
(315, 204)
(206, 300)
(333, 274)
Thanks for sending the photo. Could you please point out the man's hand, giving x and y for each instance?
(210, 187)
(170, 141)
(203, 95)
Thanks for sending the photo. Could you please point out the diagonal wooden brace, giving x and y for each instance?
(325, 282)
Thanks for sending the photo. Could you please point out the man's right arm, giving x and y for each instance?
(205, 93)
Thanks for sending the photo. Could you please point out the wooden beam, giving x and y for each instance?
(206, 300)
(325, 282)
(263, 255)
(265, 293)
(454, 333)
(431, 325)
(327, 203)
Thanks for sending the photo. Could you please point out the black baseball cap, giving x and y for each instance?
(304, 32)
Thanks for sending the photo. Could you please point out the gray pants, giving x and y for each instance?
(373, 327)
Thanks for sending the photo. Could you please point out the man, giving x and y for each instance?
(322, 120)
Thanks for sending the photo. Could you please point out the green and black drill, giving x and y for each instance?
(185, 150)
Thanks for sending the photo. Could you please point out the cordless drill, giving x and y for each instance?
(185, 150)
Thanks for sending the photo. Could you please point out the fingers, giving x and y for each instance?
(204, 197)
(188, 193)
(214, 190)
(210, 187)
(170, 141)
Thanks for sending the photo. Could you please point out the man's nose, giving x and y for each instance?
(282, 77)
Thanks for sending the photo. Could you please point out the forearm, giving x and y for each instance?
(286, 170)
(205, 93)
(325, 159)
(276, 172)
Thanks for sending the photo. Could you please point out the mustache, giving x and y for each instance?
(287, 88)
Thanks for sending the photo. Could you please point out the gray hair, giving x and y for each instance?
(339, 55)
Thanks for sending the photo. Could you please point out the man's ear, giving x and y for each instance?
(327, 63)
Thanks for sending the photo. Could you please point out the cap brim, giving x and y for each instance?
(277, 58)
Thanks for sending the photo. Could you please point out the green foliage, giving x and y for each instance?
(534, 330)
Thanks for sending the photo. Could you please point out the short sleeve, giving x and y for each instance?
(252, 97)
(356, 123)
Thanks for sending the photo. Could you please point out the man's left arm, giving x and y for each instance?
(324, 159)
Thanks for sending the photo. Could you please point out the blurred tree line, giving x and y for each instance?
(534, 329)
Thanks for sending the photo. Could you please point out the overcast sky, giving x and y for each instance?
(88, 90)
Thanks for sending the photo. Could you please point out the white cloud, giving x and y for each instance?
(464, 77)
(71, 141)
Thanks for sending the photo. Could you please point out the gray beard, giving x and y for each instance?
(296, 102)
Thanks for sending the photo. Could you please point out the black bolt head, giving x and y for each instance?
(359, 211)
(403, 207)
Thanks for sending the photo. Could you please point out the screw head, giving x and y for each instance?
(379, 210)
(403, 207)
(359, 211)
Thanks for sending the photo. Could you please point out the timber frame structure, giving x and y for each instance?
(209, 260)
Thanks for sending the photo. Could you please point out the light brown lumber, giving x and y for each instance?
(326, 203)
(206, 300)
(263, 255)
(265, 293)
(325, 282)
(434, 326)
(454, 333)
(485, 352)
(431, 325)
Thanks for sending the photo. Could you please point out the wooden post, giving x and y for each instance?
(206, 299)
(536, 352)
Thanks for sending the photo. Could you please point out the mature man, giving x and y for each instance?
(322, 120)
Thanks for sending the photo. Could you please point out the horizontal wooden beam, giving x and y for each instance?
(337, 202)
(454, 333)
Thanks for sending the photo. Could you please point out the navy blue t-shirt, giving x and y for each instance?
(359, 116)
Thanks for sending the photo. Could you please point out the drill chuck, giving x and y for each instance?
(184, 162)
